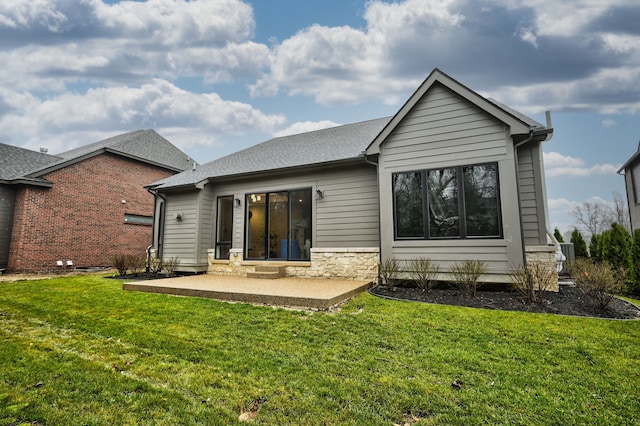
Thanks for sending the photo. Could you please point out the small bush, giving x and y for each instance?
(119, 261)
(388, 271)
(170, 266)
(136, 263)
(466, 275)
(597, 280)
(155, 265)
(533, 281)
(423, 271)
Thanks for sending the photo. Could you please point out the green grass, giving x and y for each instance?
(81, 351)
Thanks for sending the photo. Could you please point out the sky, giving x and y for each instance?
(217, 76)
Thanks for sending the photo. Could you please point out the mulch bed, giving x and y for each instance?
(568, 301)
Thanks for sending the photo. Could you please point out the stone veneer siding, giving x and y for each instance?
(344, 263)
(545, 255)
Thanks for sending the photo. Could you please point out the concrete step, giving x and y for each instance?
(264, 275)
(267, 272)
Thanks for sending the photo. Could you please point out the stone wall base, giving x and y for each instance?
(545, 255)
(344, 263)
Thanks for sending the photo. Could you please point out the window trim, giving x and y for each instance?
(462, 222)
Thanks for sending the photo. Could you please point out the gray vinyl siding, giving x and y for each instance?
(632, 183)
(7, 205)
(531, 202)
(445, 130)
(442, 130)
(347, 216)
(180, 237)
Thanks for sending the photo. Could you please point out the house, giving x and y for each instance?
(81, 207)
(451, 176)
(631, 171)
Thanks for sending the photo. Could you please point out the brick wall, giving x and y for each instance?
(82, 217)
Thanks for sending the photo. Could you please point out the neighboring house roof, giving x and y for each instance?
(147, 146)
(16, 163)
(519, 123)
(335, 144)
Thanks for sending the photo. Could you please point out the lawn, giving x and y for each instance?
(80, 350)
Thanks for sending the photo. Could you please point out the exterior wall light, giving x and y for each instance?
(319, 194)
(237, 202)
(179, 217)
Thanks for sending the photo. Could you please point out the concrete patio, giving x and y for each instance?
(319, 294)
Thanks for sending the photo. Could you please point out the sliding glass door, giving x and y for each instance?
(278, 225)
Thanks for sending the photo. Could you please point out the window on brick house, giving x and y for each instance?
(136, 219)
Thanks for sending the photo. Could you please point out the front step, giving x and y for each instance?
(268, 272)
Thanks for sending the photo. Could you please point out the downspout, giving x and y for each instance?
(515, 155)
(559, 256)
(367, 161)
(156, 194)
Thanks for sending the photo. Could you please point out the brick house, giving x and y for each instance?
(81, 207)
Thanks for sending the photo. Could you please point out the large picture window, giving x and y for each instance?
(278, 225)
(455, 202)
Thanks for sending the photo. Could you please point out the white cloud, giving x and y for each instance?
(157, 105)
(557, 165)
(126, 41)
(608, 122)
(305, 126)
(561, 204)
(346, 65)
(403, 40)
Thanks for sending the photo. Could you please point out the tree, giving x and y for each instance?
(621, 211)
(593, 217)
(579, 244)
(617, 249)
(595, 248)
(558, 235)
(635, 288)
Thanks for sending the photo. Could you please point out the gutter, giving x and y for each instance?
(156, 194)
(548, 131)
(375, 164)
(515, 160)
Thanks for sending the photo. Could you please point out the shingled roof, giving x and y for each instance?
(335, 144)
(18, 165)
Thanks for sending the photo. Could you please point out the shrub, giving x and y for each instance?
(579, 244)
(466, 275)
(170, 266)
(533, 281)
(136, 263)
(595, 248)
(119, 261)
(155, 265)
(558, 235)
(423, 271)
(388, 271)
(597, 280)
